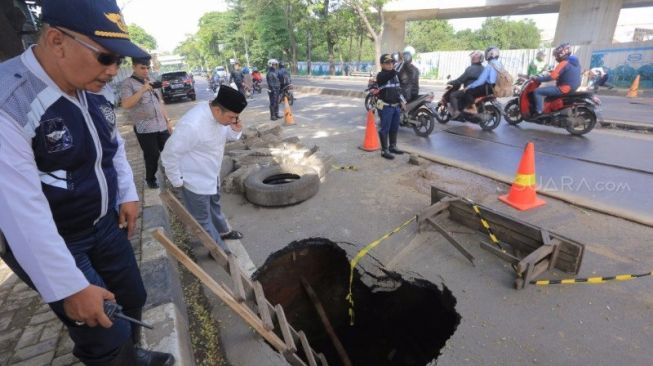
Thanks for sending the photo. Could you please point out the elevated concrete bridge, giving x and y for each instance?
(580, 22)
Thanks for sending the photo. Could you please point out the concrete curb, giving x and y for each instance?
(574, 200)
(165, 307)
(612, 124)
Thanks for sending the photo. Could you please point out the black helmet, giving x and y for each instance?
(562, 52)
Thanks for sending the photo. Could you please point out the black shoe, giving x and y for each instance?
(152, 184)
(232, 235)
(278, 117)
(273, 118)
(153, 358)
(386, 154)
(393, 149)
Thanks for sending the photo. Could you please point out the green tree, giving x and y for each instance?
(431, 35)
(507, 34)
(139, 36)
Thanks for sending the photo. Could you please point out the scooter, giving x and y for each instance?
(256, 85)
(576, 112)
(286, 92)
(488, 110)
(420, 115)
(517, 85)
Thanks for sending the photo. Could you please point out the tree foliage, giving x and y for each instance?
(139, 36)
(436, 35)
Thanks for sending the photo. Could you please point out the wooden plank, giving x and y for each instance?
(237, 279)
(285, 329)
(523, 244)
(532, 273)
(263, 305)
(535, 257)
(342, 353)
(293, 359)
(195, 228)
(198, 231)
(431, 211)
(250, 318)
(308, 351)
(496, 251)
(451, 240)
(323, 360)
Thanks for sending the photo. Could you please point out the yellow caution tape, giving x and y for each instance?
(485, 224)
(622, 277)
(363, 252)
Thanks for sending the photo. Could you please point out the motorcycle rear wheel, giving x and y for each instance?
(442, 113)
(425, 123)
(494, 119)
(582, 122)
(512, 112)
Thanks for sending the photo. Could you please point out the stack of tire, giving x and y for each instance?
(281, 185)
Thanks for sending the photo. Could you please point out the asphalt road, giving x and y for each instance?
(607, 324)
(614, 108)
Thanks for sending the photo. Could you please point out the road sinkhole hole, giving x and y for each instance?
(397, 321)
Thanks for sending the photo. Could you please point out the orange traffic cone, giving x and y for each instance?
(632, 92)
(287, 113)
(371, 142)
(522, 194)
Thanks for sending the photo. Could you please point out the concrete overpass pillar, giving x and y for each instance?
(393, 34)
(587, 22)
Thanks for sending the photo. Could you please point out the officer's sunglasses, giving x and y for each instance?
(104, 58)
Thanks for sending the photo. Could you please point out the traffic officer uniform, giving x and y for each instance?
(389, 106)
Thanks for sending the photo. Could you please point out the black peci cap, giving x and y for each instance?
(231, 99)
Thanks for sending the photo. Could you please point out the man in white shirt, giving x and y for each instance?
(193, 155)
(67, 193)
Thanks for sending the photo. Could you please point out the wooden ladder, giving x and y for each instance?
(244, 296)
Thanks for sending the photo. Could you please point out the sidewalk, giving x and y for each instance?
(31, 334)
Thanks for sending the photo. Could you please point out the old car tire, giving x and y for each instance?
(281, 185)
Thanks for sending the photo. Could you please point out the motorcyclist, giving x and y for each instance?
(538, 65)
(274, 87)
(284, 75)
(484, 84)
(472, 72)
(408, 75)
(257, 78)
(237, 77)
(566, 74)
(389, 104)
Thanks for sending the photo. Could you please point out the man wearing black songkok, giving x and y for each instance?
(193, 155)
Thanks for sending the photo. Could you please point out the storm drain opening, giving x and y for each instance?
(397, 321)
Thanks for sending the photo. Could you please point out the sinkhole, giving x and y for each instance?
(397, 321)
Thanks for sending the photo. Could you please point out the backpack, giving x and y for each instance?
(503, 86)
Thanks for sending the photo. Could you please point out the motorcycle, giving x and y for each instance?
(576, 112)
(256, 86)
(286, 92)
(517, 85)
(420, 115)
(488, 114)
(372, 94)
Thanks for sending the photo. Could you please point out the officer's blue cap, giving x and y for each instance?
(100, 20)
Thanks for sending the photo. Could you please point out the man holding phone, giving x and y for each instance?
(146, 112)
(193, 155)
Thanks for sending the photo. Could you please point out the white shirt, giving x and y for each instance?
(192, 156)
(25, 217)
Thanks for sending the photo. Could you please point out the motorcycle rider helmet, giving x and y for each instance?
(491, 53)
(476, 57)
(408, 54)
(562, 52)
(273, 61)
(540, 55)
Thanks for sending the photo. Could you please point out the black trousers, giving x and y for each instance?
(471, 94)
(274, 102)
(106, 258)
(152, 145)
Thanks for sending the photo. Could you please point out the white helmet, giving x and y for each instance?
(410, 50)
(272, 61)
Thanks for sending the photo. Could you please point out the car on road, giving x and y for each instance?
(177, 85)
